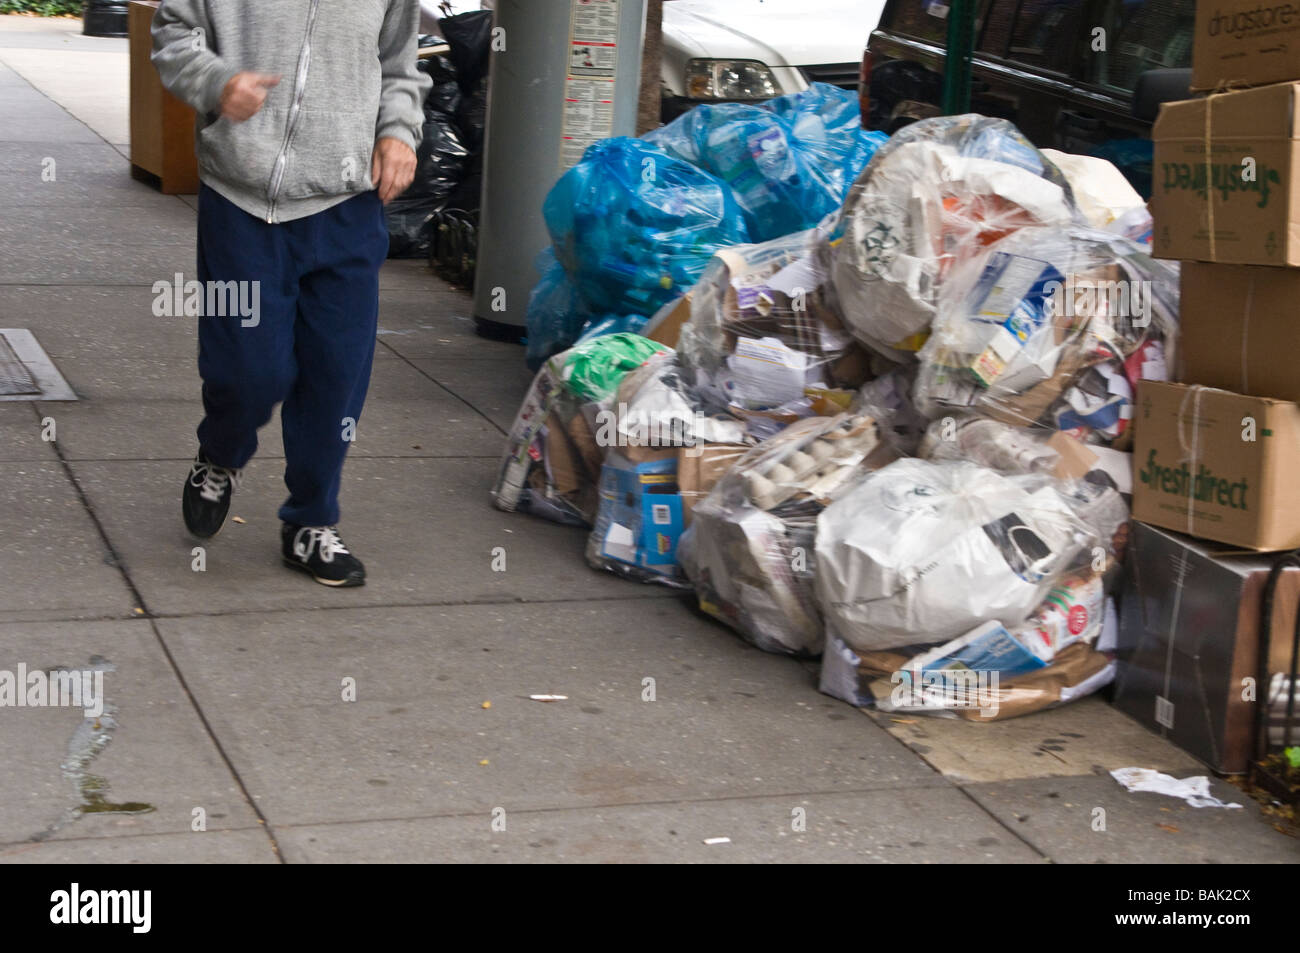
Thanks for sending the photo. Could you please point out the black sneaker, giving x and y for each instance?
(205, 501)
(319, 550)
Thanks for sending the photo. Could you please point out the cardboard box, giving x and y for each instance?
(1251, 166)
(640, 518)
(1239, 328)
(1189, 638)
(1245, 43)
(1217, 465)
(699, 468)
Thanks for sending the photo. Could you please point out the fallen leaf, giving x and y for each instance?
(903, 721)
(487, 705)
(1170, 828)
(484, 761)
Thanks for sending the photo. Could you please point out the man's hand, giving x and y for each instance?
(245, 94)
(392, 168)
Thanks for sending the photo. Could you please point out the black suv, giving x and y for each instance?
(1083, 76)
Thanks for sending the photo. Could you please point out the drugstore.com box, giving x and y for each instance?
(1217, 465)
(1245, 43)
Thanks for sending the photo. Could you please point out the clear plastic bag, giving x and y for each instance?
(763, 330)
(553, 457)
(663, 449)
(877, 678)
(920, 552)
(938, 191)
(1087, 483)
(1052, 327)
(749, 550)
(1061, 652)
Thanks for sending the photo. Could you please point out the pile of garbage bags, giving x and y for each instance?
(634, 223)
(436, 217)
(897, 439)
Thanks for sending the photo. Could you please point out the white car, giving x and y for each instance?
(746, 50)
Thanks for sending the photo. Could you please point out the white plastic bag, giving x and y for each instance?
(920, 552)
(938, 191)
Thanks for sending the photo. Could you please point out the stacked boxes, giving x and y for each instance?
(1216, 457)
(1226, 202)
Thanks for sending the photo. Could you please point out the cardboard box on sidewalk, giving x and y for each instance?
(1245, 43)
(1229, 161)
(1189, 642)
(1217, 465)
(1239, 328)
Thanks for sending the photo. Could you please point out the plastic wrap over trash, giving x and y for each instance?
(659, 406)
(554, 452)
(1062, 651)
(1052, 327)
(634, 226)
(787, 161)
(664, 449)
(888, 398)
(1088, 483)
(749, 549)
(762, 329)
(938, 191)
(883, 679)
(920, 552)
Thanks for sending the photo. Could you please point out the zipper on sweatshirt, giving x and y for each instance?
(299, 86)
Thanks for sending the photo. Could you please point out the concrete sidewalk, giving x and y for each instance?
(227, 685)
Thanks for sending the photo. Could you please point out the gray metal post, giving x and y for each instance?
(564, 73)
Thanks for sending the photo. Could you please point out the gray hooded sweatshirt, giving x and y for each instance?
(348, 78)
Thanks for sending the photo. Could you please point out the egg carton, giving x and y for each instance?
(814, 467)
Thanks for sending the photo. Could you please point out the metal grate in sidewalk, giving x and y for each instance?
(26, 371)
(14, 376)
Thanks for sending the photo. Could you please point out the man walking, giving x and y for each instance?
(309, 114)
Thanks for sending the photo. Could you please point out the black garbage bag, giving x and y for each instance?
(471, 117)
(469, 35)
(455, 246)
(104, 18)
(441, 167)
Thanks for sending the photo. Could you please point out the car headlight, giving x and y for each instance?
(730, 79)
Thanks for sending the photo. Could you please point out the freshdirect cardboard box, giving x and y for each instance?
(1189, 640)
(1217, 465)
(1240, 328)
(1223, 177)
(1245, 43)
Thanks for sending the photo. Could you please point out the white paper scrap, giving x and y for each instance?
(1195, 790)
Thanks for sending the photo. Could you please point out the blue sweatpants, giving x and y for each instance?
(310, 344)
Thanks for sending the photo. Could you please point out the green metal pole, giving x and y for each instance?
(957, 63)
